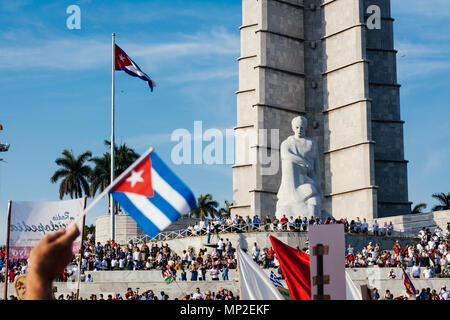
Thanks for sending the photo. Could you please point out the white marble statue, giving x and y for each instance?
(300, 192)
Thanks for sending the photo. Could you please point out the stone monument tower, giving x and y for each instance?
(321, 59)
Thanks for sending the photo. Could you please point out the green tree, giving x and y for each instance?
(88, 230)
(124, 157)
(444, 201)
(206, 207)
(226, 210)
(100, 179)
(74, 174)
(418, 208)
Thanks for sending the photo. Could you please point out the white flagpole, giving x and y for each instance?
(111, 200)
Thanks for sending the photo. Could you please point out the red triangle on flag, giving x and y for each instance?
(139, 181)
(121, 58)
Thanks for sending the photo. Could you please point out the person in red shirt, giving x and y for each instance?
(270, 256)
(12, 275)
(284, 222)
(397, 247)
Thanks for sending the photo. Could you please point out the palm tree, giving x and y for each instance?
(206, 206)
(124, 156)
(418, 208)
(226, 210)
(74, 174)
(100, 177)
(444, 200)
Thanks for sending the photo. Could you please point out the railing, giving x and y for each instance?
(250, 227)
(170, 235)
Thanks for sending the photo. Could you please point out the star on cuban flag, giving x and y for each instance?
(123, 62)
(152, 194)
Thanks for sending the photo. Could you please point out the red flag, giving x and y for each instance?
(295, 266)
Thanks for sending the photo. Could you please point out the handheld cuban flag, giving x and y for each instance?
(152, 194)
(123, 62)
(168, 277)
(275, 280)
(283, 291)
(410, 290)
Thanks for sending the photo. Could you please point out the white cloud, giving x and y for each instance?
(421, 69)
(420, 60)
(202, 75)
(85, 54)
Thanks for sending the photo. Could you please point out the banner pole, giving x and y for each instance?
(81, 251)
(8, 226)
(238, 272)
(111, 200)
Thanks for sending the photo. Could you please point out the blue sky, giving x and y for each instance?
(55, 85)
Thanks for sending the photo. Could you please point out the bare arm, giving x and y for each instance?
(47, 260)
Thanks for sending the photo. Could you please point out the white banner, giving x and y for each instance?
(30, 221)
(254, 283)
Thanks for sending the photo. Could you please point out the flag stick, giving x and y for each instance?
(81, 252)
(111, 200)
(5, 294)
(238, 272)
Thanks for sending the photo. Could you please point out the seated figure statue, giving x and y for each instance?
(300, 192)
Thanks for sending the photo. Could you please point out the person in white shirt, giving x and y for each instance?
(422, 233)
(214, 272)
(350, 249)
(291, 223)
(415, 271)
(197, 294)
(427, 273)
(136, 254)
(82, 276)
(114, 263)
(375, 227)
(197, 229)
(358, 225)
(221, 245)
(121, 263)
(444, 294)
(203, 224)
(390, 228)
(364, 226)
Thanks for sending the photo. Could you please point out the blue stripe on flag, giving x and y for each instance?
(275, 280)
(147, 78)
(175, 182)
(164, 206)
(147, 226)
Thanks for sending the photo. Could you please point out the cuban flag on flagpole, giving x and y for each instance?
(123, 62)
(152, 194)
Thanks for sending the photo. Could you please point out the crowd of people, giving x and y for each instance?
(298, 224)
(431, 253)
(424, 294)
(190, 265)
(130, 294)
